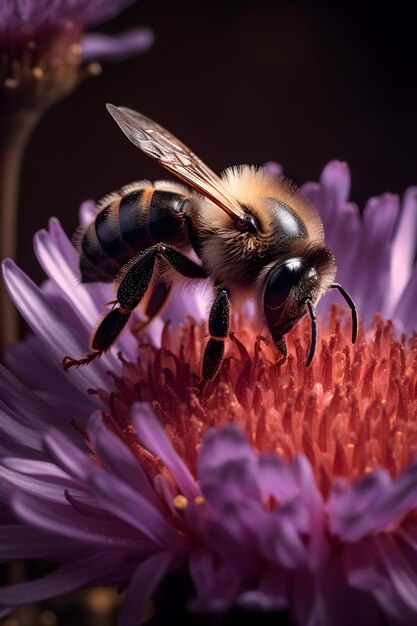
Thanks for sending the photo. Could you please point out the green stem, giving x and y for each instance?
(15, 130)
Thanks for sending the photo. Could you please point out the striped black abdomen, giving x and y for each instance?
(128, 224)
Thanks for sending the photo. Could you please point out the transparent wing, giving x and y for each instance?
(174, 156)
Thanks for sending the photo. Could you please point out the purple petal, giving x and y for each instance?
(15, 433)
(400, 499)
(374, 251)
(98, 47)
(35, 368)
(45, 322)
(63, 520)
(281, 544)
(403, 249)
(360, 564)
(153, 436)
(72, 459)
(402, 574)
(87, 212)
(41, 470)
(227, 455)
(274, 168)
(83, 571)
(142, 586)
(318, 547)
(277, 479)
(118, 459)
(56, 266)
(27, 407)
(44, 490)
(125, 503)
(405, 310)
(352, 510)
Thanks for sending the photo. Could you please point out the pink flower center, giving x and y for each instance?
(353, 410)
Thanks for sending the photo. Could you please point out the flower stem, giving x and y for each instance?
(15, 130)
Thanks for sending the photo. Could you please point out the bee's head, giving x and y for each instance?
(294, 285)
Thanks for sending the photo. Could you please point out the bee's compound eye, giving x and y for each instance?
(279, 283)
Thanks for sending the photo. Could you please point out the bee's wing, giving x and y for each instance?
(174, 156)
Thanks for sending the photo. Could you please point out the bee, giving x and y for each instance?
(252, 235)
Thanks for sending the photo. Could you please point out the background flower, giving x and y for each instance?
(45, 54)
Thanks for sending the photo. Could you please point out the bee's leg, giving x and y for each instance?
(136, 281)
(219, 321)
(108, 330)
(134, 285)
(132, 288)
(156, 303)
(280, 344)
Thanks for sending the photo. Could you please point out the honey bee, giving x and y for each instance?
(253, 236)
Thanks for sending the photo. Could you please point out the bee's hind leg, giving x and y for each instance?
(154, 306)
(108, 330)
(132, 288)
(219, 322)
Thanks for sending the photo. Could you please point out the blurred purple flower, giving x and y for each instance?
(45, 54)
(36, 22)
(291, 490)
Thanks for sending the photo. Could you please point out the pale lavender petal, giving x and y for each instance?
(371, 288)
(256, 600)
(118, 459)
(400, 499)
(401, 572)
(98, 47)
(29, 361)
(142, 586)
(44, 321)
(71, 458)
(55, 264)
(153, 436)
(87, 212)
(277, 479)
(125, 503)
(41, 470)
(405, 311)
(281, 544)
(14, 432)
(274, 168)
(335, 187)
(403, 249)
(45, 491)
(62, 519)
(27, 407)
(230, 548)
(352, 510)
(223, 447)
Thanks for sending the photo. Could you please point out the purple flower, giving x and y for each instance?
(282, 488)
(38, 24)
(46, 53)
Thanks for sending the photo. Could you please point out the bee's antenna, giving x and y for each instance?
(313, 341)
(352, 307)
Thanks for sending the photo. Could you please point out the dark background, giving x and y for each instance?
(240, 82)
